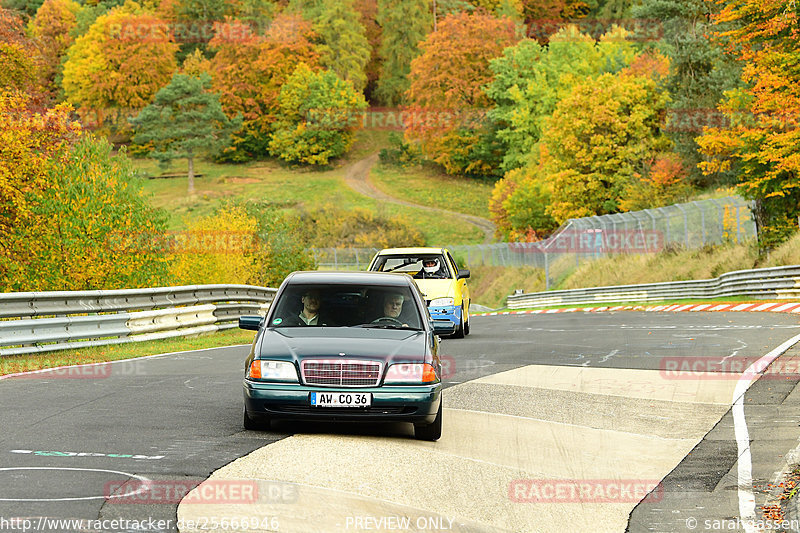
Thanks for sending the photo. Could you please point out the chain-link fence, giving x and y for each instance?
(689, 225)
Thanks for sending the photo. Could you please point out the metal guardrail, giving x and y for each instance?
(763, 283)
(35, 322)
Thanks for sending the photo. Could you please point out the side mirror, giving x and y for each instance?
(250, 322)
(463, 273)
(443, 327)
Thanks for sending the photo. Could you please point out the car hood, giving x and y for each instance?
(437, 288)
(389, 345)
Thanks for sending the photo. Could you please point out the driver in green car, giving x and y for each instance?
(392, 307)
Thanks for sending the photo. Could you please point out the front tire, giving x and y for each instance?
(254, 425)
(465, 319)
(430, 432)
(460, 330)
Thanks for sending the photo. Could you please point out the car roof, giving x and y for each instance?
(400, 251)
(365, 277)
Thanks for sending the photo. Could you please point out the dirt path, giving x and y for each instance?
(358, 178)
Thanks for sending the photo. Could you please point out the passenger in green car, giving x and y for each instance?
(310, 314)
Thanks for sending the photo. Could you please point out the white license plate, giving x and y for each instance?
(341, 399)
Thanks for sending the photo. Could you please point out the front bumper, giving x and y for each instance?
(447, 312)
(417, 404)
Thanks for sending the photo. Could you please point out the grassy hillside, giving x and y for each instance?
(290, 188)
(427, 186)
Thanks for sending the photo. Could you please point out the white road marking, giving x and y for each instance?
(156, 356)
(611, 354)
(747, 500)
(145, 485)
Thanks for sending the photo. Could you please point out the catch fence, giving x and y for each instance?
(689, 225)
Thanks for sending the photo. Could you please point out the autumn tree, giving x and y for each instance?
(519, 203)
(29, 143)
(344, 49)
(405, 25)
(90, 228)
(599, 138)
(52, 27)
(700, 73)
(184, 121)
(447, 84)
(368, 15)
(219, 248)
(119, 64)
(248, 74)
(530, 79)
(318, 115)
(284, 244)
(601, 152)
(19, 67)
(760, 142)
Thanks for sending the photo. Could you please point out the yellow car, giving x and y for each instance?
(442, 283)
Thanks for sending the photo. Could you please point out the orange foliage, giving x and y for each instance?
(51, 28)
(447, 87)
(248, 71)
(764, 132)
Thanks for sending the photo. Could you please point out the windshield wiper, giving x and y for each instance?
(398, 266)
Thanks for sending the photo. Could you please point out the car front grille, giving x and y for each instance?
(341, 372)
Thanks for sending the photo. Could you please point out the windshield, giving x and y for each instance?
(413, 264)
(346, 306)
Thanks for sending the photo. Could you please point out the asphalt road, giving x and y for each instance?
(67, 440)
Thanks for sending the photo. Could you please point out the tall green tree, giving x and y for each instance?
(405, 24)
(344, 49)
(184, 121)
(700, 73)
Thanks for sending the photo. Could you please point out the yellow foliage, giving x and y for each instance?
(28, 141)
(221, 248)
(124, 58)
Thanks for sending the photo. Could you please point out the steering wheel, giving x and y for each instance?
(387, 320)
